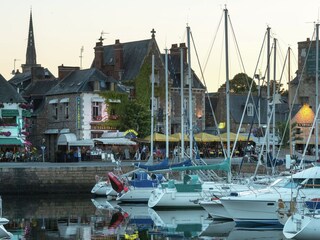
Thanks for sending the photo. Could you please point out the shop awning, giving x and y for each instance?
(26, 113)
(97, 99)
(64, 100)
(10, 112)
(114, 141)
(65, 139)
(51, 131)
(85, 142)
(53, 101)
(10, 141)
(65, 130)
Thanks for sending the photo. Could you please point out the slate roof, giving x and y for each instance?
(134, 54)
(26, 76)
(39, 87)
(237, 102)
(20, 77)
(8, 93)
(175, 74)
(80, 81)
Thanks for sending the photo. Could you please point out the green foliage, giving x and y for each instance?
(134, 114)
(241, 83)
(137, 117)
(283, 132)
(143, 85)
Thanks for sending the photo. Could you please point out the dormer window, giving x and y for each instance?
(250, 109)
(96, 86)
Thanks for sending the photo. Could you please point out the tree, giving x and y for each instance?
(136, 116)
(127, 114)
(241, 84)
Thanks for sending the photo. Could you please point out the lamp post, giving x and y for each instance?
(43, 148)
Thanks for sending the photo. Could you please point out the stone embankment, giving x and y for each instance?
(47, 178)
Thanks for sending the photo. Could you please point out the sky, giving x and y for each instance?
(63, 27)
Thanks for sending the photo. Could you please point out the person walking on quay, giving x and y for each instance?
(176, 154)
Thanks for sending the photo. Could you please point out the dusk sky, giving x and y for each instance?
(62, 27)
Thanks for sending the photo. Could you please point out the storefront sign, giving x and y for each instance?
(78, 109)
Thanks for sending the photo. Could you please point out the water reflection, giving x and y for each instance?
(80, 217)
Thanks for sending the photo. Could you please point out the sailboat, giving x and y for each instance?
(304, 223)
(193, 189)
(136, 189)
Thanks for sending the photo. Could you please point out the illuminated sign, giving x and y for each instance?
(78, 114)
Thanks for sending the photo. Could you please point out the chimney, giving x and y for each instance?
(175, 50)
(184, 50)
(118, 57)
(63, 71)
(98, 55)
(37, 73)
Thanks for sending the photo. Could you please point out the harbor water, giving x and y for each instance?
(85, 217)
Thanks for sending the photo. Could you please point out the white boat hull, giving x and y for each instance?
(135, 195)
(215, 209)
(259, 211)
(103, 189)
(302, 227)
(4, 234)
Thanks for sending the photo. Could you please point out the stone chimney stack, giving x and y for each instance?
(65, 70)
(118, 59)
(98, 55)
(184, 47)
(175, 50)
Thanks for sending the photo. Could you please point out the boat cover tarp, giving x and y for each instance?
(163, 165)
(223, 166)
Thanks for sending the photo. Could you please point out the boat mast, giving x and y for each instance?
(317, 91)
(268, 89)
(167, 119)
(190, 96)
(152, 111)
(227, 92)
(182, 102)
(273, 102)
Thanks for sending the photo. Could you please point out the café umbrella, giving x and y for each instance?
(206, 137)
(158, 137)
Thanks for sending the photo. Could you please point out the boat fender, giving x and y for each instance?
(125, 189)
(280, 204)
(234, 194)
(173, 195)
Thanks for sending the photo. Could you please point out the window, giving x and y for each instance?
(156, 78)
(96, 111)
(96, 86)
(250, 110)
(304, 99)
(55, 111)
(66, 110)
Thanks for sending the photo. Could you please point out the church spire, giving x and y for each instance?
(31, 58)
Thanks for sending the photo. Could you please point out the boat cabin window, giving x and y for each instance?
(292, 183)
(311, 183)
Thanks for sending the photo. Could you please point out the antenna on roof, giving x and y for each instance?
(101, 36)
(14, 66)
(81, 56)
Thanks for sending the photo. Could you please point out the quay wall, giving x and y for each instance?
(33, 180)
(61, 180)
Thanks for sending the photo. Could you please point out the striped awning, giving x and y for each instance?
(10, 141)
(9, 112)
